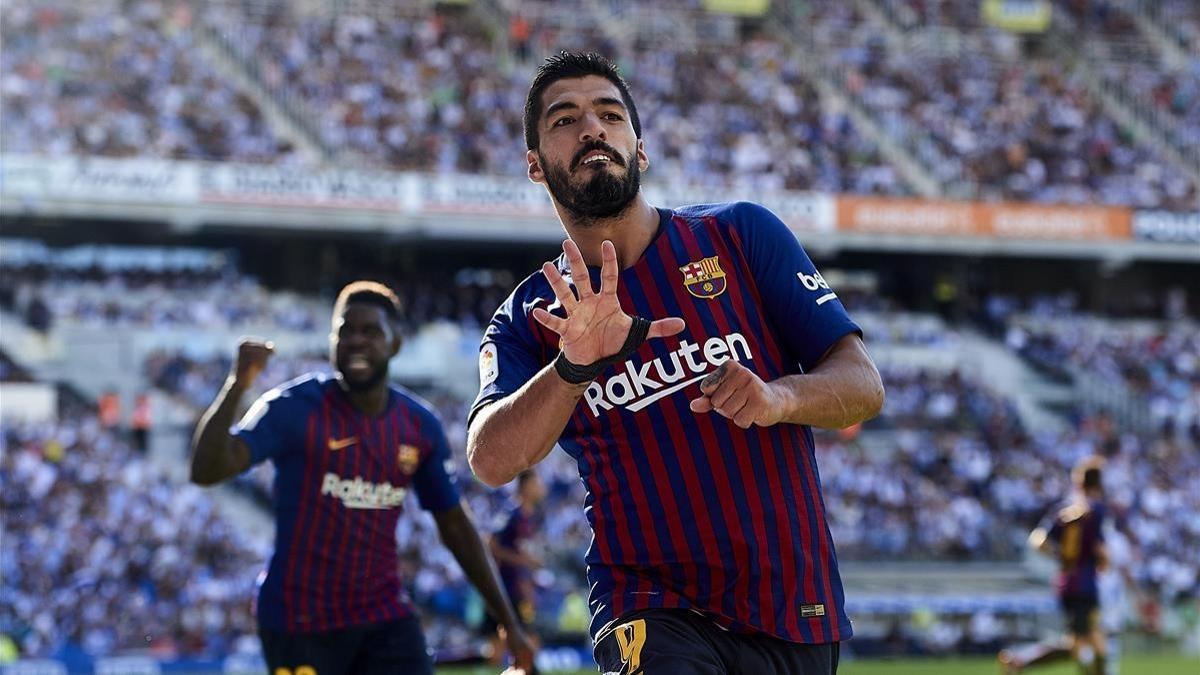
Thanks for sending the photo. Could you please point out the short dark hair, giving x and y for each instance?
(1087, 474)
(566, 65)
(369, 293)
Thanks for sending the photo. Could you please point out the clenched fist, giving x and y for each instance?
(735, 392)
(252, 357)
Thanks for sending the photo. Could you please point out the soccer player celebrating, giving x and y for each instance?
(1075, 536)
(346, 448)
(711, 550)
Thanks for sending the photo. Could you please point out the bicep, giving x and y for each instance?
(847, 351)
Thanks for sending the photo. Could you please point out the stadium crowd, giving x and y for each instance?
(140, 286)
(93, 531)
(1156, 363)
(993, 127)
(419, 90)
(422, 92)
(121, 79)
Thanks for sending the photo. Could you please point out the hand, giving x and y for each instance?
(596, 326)
(252, 356)
(522, 650)
(735, 392)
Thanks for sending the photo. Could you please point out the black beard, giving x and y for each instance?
(604, 196)
(377, 376)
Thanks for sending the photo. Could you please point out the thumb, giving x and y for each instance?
(665, 327)
(701, 405)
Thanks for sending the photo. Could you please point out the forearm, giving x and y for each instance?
(844, 389)
(462, 539)
(517, 431)
(214, 455)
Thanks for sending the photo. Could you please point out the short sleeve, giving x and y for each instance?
(268, 427)
(1053, 527)
(434, 479)
(509, 355)
(798, 301)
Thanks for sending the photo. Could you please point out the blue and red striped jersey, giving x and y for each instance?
(688, 510)
(340, 481)
(1078, 530)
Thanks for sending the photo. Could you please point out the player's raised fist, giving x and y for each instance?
(252, 357)
(595, 327)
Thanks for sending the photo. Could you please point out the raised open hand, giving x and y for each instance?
(595, 327)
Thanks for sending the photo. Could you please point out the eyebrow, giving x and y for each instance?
(568, 105)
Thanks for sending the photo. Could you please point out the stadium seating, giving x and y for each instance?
(114, 536)
(419, 90)
(121, 83)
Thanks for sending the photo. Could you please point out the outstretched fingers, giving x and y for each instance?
(579, 272)
(562, 291)
(554, 323)
(608, 268)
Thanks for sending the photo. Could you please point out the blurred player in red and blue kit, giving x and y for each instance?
(346, 449)
(711, 550)
(1074, 535)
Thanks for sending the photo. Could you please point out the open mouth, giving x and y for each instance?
(357, 365)
(599, 158)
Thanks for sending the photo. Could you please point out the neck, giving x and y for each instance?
(371, 401)
(630, 231)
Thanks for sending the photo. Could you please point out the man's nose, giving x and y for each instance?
(590, 129)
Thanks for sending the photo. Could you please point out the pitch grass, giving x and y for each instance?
(1130, 665)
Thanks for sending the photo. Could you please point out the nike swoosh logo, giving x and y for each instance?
(339, 443)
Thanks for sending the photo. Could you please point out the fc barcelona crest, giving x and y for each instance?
(705, 278)
(408, 457)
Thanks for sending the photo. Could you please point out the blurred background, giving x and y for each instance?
(1003, 192)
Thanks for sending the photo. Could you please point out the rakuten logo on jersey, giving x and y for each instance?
(638, 387)
(360, 494)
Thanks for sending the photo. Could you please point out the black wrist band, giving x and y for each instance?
(579, 374)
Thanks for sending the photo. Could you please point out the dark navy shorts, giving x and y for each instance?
(1082, 613)
(683, 642)
(374, 649)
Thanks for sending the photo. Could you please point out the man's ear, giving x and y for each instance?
(536, 173)
(643, 159)
(397, 340)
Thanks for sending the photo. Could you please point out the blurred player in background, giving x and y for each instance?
(510, 548)
(711, 550)
(346, 449)
(1075, 536)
